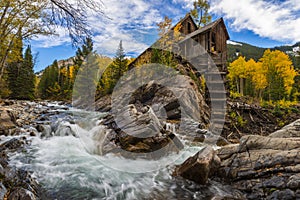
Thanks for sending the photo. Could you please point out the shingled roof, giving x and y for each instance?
(188, 15)
(206, 28)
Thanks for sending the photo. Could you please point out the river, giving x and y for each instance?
(62, 159)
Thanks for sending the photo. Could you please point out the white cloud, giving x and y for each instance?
(277, 21)
(61, 37)
(127, 20)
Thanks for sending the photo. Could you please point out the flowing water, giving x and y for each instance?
(67, 167)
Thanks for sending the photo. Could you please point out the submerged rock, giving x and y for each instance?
(13, 144)
(200, 167)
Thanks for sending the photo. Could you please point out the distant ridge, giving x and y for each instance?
(236, 49)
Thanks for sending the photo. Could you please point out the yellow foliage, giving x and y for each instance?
(274, 73)
(72, 72)
(258, 75)
(279, 63)
(237, 69)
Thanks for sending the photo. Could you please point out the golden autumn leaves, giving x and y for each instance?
(271, 78)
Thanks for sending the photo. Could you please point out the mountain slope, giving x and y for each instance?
(236, 49)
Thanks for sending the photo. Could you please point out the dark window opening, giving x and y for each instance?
(213, 42)
(189, 28)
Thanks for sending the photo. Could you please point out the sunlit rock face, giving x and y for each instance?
(264, 167)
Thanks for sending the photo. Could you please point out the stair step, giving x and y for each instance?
(218, 120)
(218, 100)
(209, 73)
(219, 110)
(217, 95)
(215, 81)
(217, 92)
(218, 116)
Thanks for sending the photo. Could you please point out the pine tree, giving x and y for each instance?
(21, 77)
(48, 85)
(14, 71)
(85, 86)
(120, 62)
(83, 52)
(27, 78)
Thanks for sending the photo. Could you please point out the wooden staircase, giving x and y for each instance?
(217, 93)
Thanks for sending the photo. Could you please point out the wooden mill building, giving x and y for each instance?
(211, 52)
(211, 37)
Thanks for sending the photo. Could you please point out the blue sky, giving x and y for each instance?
(264, 23)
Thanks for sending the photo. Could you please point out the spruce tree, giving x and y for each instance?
(85, 86)
(27, 78)
(83, 52)
(119, 65)
(21, 77)
(14, 71)
(48, 86)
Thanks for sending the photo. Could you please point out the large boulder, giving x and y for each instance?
(173, 103)
(7, 121)
(137, 134)
(199, 167)
(263, 167)
(171, 98)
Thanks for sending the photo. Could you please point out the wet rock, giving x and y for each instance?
(297, 194)
(109, 145)
(284, 194)
(12, 144)
(103, 104)
(32, 134)
(21, 193)
(39, 128)
(15, 183)
(9, 102)
(274, 182)
(3, 191)
(135, 134)
(199, 167)
(46, 130)
(64, 129)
